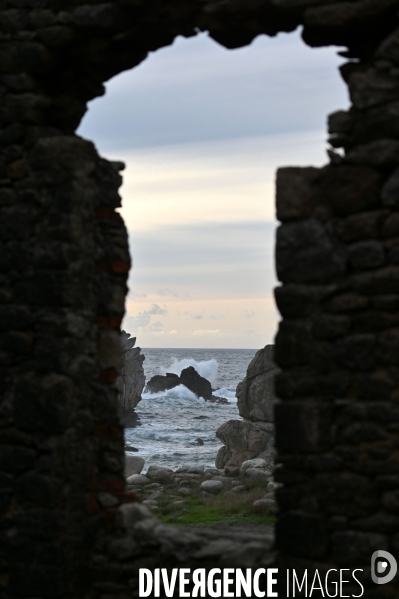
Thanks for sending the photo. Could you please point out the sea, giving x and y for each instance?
(170, 422)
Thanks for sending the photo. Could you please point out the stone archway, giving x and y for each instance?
(64, 262)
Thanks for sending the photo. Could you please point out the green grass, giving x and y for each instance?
(198, 511)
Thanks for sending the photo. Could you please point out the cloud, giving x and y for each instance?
(193, 315)
(155, 309)
(140, 321)
(216, 316)
(173, 332)
(202, 332)
(165, 292)
(143, 319)
(156, 327)
(236, 260)
(248, 314)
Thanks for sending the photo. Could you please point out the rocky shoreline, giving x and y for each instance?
(165, 491)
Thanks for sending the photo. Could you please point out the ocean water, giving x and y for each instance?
(171, 421)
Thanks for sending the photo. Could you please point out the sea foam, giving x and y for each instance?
(207, 368)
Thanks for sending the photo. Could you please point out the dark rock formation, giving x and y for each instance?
(196, 383)
(160, 382)
(253, 438)
(189, 377)
(255, 394)
(131, 378)
(244, 441)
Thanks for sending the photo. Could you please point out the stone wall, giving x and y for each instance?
(338, 423)
(63, 267)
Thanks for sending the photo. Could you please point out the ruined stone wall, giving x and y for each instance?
(63, 268)
(338, 345)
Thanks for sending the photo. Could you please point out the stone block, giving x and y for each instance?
(346, 494)
(357, 352)
(349, 189)
(42, 404)
(306, 253)
(294, 193)
(294, 344)
(297, 301)
(303, 426)
(330, 326)
(369, 85)
(109, 349)
(366, 255)
(378, 153)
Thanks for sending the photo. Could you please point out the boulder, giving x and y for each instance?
(161, 382)
(265, 504)
(244, 441)
(196, 383)
(189, 377)
(255, 394)
(137, 479)
(214, 487)
(133, 465)
(156, 473)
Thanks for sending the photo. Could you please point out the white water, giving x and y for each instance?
(207, 368)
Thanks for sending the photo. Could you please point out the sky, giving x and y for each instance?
(202, 131)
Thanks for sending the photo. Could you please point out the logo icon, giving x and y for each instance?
(383, 563)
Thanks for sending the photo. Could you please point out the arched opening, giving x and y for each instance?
(202, 131)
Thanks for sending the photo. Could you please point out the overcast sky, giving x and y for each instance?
(202, 131)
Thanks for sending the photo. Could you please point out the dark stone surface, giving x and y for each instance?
(162, 383)
(190, 378)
